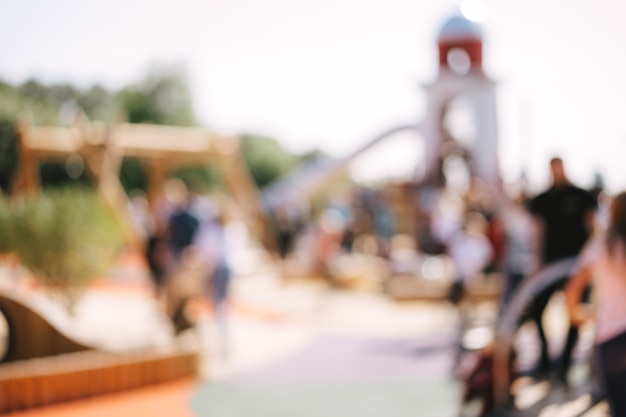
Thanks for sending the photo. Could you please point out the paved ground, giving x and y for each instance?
(330, 353)
(354, 344)
(294, 348)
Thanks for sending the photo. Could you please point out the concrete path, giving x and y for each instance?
(352, 344)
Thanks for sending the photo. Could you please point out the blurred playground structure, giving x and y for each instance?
(100, 148)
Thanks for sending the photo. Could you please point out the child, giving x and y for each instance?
(603, 263)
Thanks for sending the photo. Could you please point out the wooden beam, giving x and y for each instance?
(53, 141)
(156, 141)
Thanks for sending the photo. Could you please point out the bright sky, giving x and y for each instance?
(335, 73)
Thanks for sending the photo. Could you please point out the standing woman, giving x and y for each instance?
(603, 264)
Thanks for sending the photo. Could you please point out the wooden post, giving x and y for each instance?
(114, 194)
(103, 161)
(241, 184)
(27, 175)
(157, 176)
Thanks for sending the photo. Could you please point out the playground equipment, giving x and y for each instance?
(161, 149)
(46, 360)
(460, 82)
(33, 332)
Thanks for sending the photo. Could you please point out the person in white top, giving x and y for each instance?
(603, 265)
(470, 251)
(212, 241)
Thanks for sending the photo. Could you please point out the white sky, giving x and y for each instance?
(335, 73)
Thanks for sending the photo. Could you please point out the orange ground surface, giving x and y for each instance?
(163, 400)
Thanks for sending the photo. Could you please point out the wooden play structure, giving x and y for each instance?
(161, 149)
(45, 361)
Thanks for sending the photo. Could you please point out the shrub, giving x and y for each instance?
(66, 237)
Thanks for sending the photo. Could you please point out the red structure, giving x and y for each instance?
(459, 36)
(461, 86)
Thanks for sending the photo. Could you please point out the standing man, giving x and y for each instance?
(563, 217)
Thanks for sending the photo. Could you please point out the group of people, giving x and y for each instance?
(187, 254)
(569, 222)
(337, 228)
(524, 236)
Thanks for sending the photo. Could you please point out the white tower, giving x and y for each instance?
(461, 80)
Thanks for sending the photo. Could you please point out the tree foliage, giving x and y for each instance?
(162, 97)
(266, 158)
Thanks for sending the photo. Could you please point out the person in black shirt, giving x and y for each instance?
(565, 214)
(564, 218)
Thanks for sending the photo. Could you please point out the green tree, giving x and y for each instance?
(200, 179)
(162, 97)
(99, 103)
(45, 104)
(266, 158)
(31, 98)
(133, 175)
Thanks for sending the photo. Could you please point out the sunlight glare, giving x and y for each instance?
(474, 10)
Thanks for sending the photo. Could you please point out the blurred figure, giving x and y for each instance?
(603, 262)
(519, 261)
(384, 223)
(183, 263)
(140, 214)
(145, 224)
(212, 242)
(563, 220)
(289, 221)
(330, 228)
(603, 199)
(564, 215)
(182, 226)
(285, 231)
(158, 255)
(446, 216)
(470, 251)
(478, 198)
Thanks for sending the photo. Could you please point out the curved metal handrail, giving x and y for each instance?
(509, 320)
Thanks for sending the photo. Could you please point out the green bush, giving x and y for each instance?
(66, 237)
